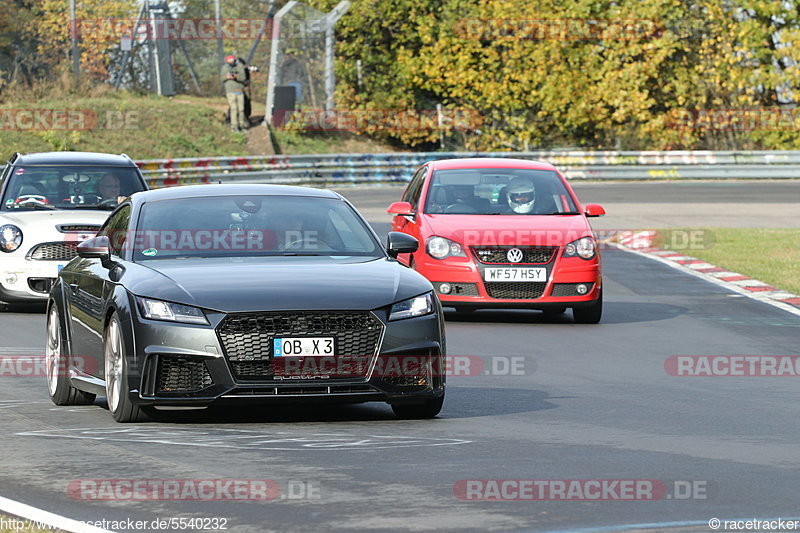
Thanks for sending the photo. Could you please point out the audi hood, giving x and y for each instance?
(275, 283)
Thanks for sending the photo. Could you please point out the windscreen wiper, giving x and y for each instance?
(99, 207)
(33, 205)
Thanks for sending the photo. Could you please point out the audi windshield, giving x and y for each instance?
(234, 226)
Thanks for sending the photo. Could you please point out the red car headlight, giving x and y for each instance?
(585, 248)
(440, 248)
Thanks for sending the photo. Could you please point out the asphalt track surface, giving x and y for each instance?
(593, 402)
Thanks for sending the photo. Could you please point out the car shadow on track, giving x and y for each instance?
(613, 313)
(283, 413)
(461, 402)
(33, 309)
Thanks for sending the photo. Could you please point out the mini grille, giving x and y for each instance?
(568, 289)
(517, 291)
(181, 374)
(530, 254)
(54, 251)
(78, 228)
(248, 340)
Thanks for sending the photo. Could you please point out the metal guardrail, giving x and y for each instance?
(332, 169)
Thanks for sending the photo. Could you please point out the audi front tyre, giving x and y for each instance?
(57, 366)
(116, 372)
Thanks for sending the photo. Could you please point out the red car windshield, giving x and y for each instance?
(64, 187)
(498, 191)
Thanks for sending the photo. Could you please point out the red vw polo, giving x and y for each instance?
(504, 233)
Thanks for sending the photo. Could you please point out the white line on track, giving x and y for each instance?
(41, 517)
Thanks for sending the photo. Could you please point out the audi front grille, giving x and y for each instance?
(247, 339)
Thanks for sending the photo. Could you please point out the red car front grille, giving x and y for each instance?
(499, 254)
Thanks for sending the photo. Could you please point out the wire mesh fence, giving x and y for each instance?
(299, 53)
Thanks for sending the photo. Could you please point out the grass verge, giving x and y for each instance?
(766, 254)
(150, 127)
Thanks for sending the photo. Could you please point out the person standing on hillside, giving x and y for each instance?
(234, 79)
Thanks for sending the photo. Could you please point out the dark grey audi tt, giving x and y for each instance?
(196, 295)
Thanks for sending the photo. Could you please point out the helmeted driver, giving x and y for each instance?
(521, 195)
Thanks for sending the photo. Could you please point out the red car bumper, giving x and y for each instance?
(464, 275)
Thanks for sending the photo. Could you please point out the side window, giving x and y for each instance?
(116, 228)
(415, 187)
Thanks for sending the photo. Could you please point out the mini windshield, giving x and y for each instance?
(65, 187)
(239, 226)
(498, 191)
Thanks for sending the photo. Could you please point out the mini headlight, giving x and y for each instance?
(440, 248)
(417, 306)
(159, 310)
(585, 248)
(10, 238)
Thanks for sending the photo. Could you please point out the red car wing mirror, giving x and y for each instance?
(400, 209)
(594, 210)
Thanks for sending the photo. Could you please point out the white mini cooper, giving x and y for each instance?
(50, 202)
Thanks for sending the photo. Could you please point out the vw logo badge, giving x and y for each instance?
(514, 255)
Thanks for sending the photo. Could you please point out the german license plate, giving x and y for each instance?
(302, 346)
(515, 274)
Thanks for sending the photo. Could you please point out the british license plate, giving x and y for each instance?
(302, 346)
(515, 274)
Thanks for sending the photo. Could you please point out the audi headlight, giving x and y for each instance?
(585, 248)
(416, 306)
(10, 238)
(172, 312)
(440, 248)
